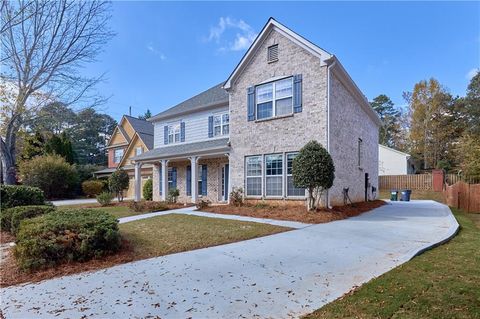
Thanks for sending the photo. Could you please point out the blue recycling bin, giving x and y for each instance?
(406, 195)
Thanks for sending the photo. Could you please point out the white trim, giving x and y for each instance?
(271, 25)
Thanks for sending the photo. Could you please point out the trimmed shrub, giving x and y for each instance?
(173, 194)
(92, 188)
(18, 214)
(50, 173)
(202, 204)
(148, 189)
(65, 236)
(104, 198)
(147, 206)
(236, 196)
(19, 195)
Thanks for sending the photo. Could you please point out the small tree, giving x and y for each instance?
(313, 169)
(118, 182)
(148, 189)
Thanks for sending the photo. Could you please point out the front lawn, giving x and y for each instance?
(441, 283)
(150, 237)
(173, 233)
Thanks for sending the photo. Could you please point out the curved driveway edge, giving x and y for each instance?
(278, 276)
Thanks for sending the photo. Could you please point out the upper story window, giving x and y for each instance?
(174, 133)
(138, 150)
(117, 155)
(221, 124)
(274, 98)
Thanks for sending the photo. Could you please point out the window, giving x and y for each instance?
(117, 155)
(138, 150)
(291, 189)
(171, 180)
(272, 53)
(199, 179)
(274, 175)
(360, 150)
(221, 124)
(274, 99)
(173, 133)
(254, 175)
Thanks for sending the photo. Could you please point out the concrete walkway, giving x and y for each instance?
(191, 211)
(279, 276)
(81, 201)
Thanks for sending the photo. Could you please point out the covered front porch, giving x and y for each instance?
(198, 170)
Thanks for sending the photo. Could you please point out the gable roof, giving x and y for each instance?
(214, 96)
(394, 150)
(138, 125)
(273, 24)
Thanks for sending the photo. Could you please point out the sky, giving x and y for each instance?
(165, 52)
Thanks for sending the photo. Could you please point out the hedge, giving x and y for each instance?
(10, 218)
(19, 195)
(64, 236)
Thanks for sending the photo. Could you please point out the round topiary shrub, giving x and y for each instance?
(65, 236)
(92, 188)
(148, 189)
(20, 195)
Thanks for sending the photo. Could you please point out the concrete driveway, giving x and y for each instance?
(279, 276)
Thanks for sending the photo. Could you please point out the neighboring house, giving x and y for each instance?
(393, 162)
(246, 132)
(132, 137)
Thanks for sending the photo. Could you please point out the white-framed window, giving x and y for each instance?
(117, 155)
(221, 124)
(274, 175)
(274, 98)
(360, 150)
(253, 173)
(174, 133)
(138, 150)
(292, 191)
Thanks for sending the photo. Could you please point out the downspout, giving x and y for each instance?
(328, 117)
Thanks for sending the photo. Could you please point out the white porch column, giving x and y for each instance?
(194, 178)
(164, 178)
(138, 182)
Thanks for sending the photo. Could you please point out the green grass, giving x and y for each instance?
(416, 194)
(117, 211)
(173, 233)
(441, 283)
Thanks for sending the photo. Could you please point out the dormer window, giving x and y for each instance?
(272, 53)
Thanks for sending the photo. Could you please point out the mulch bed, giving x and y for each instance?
(6, 237)
(11, 275)
(296, 213)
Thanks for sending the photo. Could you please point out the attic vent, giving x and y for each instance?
(272, 54)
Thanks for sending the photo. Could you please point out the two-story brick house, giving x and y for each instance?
(246, 131)
(130, 138)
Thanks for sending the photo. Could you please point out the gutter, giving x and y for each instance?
(328, 117)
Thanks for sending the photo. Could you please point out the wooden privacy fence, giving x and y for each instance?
(420, 181)
(464, 196)
(415, 182)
